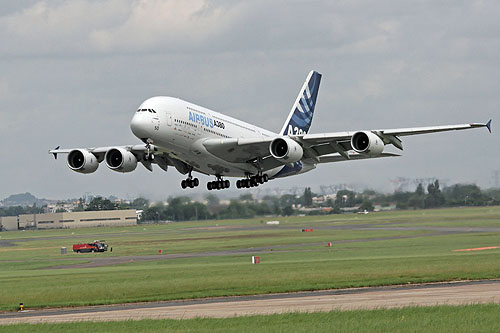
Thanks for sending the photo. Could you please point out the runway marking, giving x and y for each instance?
(478, 249)
(456, 293)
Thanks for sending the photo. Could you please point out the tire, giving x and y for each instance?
(183, 184)
(227, 184)
(209, 186)
(196, 182)
(265, 177)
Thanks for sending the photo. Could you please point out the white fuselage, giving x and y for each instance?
(179, 128)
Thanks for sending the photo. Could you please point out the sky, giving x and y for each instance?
(72, 74)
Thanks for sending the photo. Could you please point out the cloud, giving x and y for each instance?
(84, 27)
(72, 72)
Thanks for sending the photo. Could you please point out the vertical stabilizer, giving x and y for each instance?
(300, 118)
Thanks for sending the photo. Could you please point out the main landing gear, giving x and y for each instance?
(218, 184)
(190, 182)
(252, 181)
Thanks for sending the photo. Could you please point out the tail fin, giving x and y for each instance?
(300, 118)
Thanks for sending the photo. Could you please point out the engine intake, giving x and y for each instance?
(120, 160)
(286, 150)
(82, 161)
(367, 143)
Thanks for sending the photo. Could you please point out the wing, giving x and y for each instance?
(341, 142)
(318, 148)
(141, 153)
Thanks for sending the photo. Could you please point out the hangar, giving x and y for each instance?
(72, 220)
(8, 223)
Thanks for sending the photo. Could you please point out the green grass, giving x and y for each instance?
(467, 318)
(301, 262)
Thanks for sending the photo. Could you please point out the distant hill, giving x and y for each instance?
(24, 199)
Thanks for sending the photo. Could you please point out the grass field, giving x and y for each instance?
(469, 318)
(374, 249)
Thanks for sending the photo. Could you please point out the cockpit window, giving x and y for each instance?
(146, 110)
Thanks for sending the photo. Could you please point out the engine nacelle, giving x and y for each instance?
(367, 143)
(286, 150)
(120, 160)
(82, 161)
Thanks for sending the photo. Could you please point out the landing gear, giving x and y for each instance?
(218, 184)
(252, 181)
(190, 182)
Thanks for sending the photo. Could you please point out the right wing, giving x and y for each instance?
(121, 158)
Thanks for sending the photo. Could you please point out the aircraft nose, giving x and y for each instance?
(140, 125)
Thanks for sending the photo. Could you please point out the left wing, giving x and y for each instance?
(337, 146)
(341, 141)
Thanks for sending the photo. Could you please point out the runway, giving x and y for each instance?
(451, 293)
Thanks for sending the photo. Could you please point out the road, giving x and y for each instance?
(452, 293)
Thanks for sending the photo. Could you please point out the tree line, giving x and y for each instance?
(246, 206)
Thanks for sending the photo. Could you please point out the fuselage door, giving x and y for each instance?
(169, 118)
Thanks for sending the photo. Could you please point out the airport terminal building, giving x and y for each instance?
(73, 220)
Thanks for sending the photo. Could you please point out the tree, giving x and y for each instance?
(140, 203)
(416, 200)
(153, 213)
(98, 203)
(308, 197)
(366, 205)
(287, 200)
(288, 210)
(465, 195)
(435, 198)
(246, 197)
(80, 207)
(345, 198)
(420, 190)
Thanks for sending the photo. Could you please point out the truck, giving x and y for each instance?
(95, 246)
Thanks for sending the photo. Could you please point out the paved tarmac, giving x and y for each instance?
(452, 293)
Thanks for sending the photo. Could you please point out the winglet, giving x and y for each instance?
(55, 153)
(488, 125)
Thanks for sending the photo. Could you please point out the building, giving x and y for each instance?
(8, 223)
(73, 220)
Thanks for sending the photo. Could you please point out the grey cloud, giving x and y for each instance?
(72, 73)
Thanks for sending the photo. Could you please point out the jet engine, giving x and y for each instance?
(367, 143)
(120, 160)
(82, 161)
(286, 150)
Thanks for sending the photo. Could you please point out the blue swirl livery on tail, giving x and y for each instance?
(300, 118)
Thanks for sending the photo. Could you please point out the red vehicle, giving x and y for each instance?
(96, 246)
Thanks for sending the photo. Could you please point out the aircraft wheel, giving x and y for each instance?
(265, 177)
(238, 183)
(227, 184)
(183, 184)
(196, 182)
(209, 186)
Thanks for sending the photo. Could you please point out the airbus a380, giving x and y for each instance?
(192, 138)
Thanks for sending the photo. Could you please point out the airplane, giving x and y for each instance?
(191, 138)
